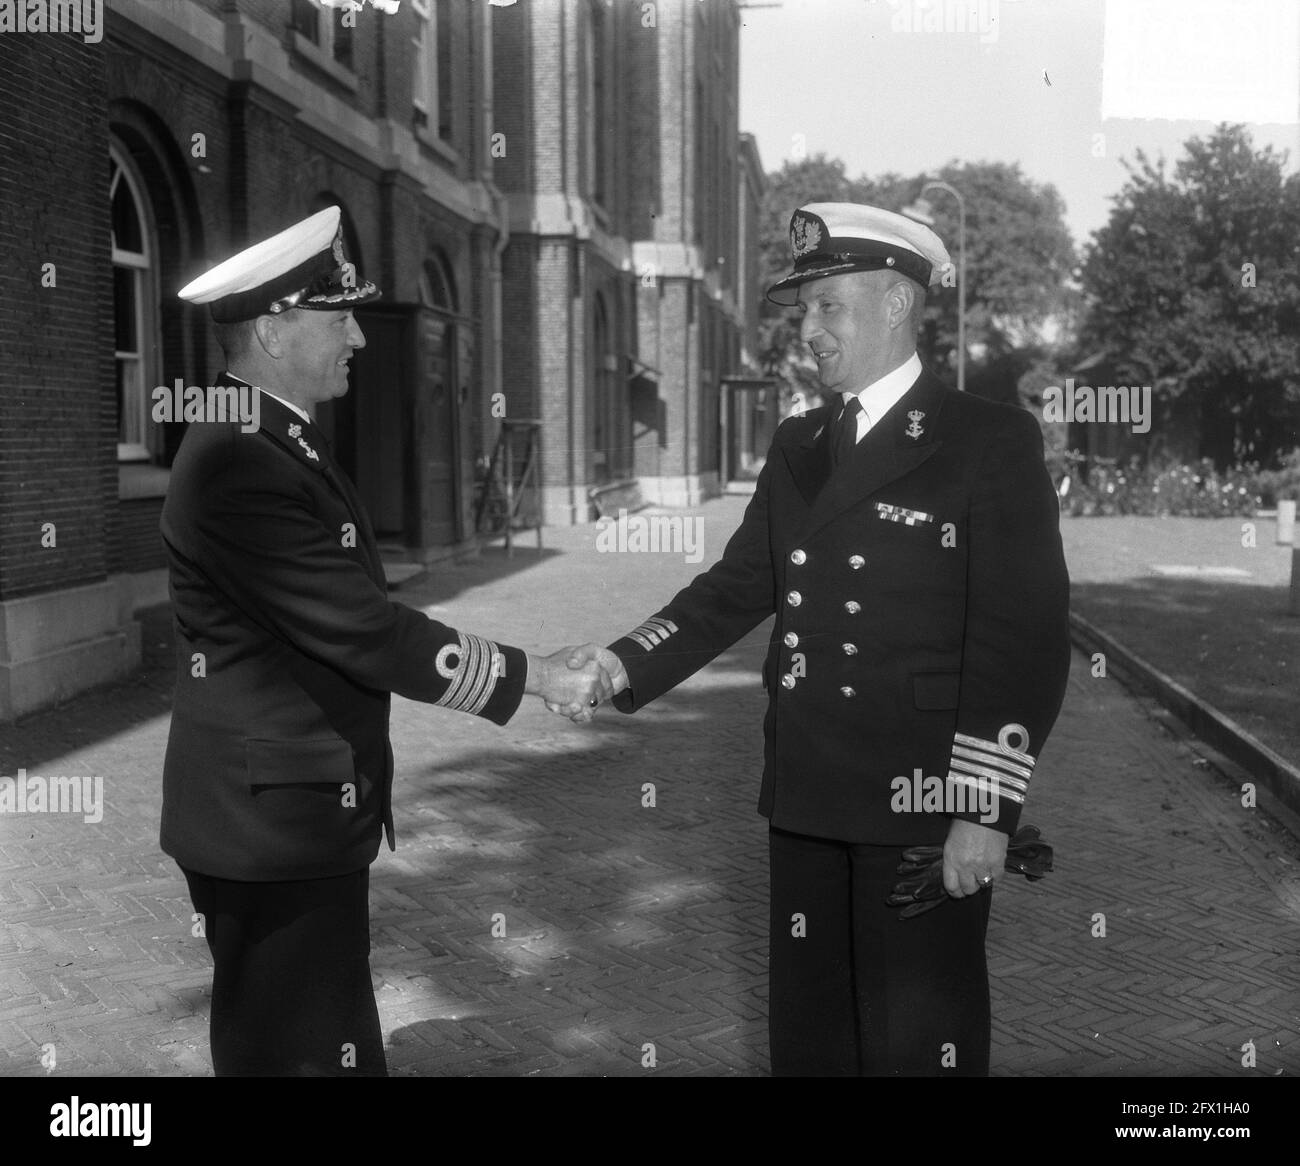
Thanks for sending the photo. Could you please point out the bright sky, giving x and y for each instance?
(866, 81)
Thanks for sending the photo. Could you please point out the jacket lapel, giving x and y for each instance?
(307, 445)
(343, 486)
(903, 439)
(808, 455)
(282, 425)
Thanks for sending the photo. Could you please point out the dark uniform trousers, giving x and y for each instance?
(857, 991)
(291, 992)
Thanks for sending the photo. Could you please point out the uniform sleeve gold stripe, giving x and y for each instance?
(993, 747)
(453, 698)
(979, 784)
(656, 629)
(475, 679)
(484, 675)
(956, 765)
(994, 759)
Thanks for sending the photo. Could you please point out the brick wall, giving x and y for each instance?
(57, 402)
(644, 124)
(519, 315)
(137, 544)
(559, 359)
(512, 95)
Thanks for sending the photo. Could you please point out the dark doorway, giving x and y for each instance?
(749, 421)
(381, 374)
(437, 425)
(366, 428)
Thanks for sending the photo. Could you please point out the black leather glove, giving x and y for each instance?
(920, 885)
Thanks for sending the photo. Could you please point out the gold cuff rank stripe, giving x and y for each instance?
(653, 632)
(472, 666)
(990, 766)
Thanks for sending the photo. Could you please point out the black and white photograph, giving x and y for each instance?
(651, 538)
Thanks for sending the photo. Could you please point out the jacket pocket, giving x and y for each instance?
(936, 690)
(321, 762)
(304, 814)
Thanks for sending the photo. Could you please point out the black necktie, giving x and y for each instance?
(845, 436)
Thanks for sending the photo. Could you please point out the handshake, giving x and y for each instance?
(574, 681)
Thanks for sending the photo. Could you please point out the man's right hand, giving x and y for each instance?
(572, 689)
(612, 665)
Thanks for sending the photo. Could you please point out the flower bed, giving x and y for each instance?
(1192, 491)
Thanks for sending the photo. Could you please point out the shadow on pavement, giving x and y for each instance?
(624, 925)
(103, 712)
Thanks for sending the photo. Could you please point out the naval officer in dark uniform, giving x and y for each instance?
(906, 538)
(278, 775)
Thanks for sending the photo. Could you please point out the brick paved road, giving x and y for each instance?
(627, 925)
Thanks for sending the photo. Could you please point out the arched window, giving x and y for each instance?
(437, 284)
(135, 307)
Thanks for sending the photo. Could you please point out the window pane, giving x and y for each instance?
(434, 287)
(125, 337)
(420, 94)
(130, 395)
(443, 32)
(127, 235)
(342, 41)
(121, 397)
(603, 121)
(306, 19)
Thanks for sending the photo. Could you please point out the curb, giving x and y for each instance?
(1270, 769)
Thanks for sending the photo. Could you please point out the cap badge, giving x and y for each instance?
(347, 270)
(805, 235)
(914, 430)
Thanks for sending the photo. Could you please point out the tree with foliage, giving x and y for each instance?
(1017, 266)
(1193, 287)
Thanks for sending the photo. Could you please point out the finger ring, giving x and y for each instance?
(593, 702)
(986, 880)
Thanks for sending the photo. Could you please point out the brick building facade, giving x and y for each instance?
(526, 183)
(624, 308)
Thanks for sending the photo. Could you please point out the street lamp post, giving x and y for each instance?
(920, 211)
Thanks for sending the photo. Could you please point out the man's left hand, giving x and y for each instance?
(973, 858)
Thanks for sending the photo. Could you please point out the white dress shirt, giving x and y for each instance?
(287, 404)
(882, 395)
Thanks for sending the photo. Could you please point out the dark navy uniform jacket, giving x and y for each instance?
(278, 761)
(920, 650)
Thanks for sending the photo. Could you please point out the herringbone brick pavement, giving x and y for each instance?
(620, 925)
